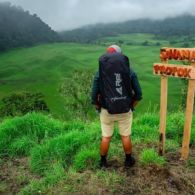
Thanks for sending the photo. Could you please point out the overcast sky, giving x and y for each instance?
(69, 14)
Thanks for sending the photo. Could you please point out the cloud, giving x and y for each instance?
(69, 14)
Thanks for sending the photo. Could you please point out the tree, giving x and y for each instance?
(76, 91)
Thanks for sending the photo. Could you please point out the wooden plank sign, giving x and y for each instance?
(177, 54)
(166, 70)
(174, 70)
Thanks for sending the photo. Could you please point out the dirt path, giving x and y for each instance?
(14, 175)
(175, 178)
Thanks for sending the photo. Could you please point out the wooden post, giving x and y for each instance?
(163, 114)
(188, 119)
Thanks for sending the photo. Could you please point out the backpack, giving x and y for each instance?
(115, 83)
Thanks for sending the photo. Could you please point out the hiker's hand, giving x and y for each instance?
(97, 107)
(135, 102)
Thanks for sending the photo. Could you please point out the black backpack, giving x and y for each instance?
(115, 83)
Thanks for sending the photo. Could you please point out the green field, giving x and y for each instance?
(43, 68)
(40, 154)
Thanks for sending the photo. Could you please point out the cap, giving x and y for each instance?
(114, 49)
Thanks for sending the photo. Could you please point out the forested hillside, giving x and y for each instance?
(19, 28)
(169, 27)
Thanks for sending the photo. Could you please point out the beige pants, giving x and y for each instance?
(107, 123)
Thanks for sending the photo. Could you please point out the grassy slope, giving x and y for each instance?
(42, 68)
(41, 155)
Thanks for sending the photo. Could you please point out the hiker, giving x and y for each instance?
(115, 93)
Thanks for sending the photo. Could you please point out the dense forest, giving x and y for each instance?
(18, 28)
(169, 27)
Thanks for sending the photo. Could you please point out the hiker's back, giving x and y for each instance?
(115, 83)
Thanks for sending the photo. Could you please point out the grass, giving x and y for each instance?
(87, 159)
(59, 152)
(40, 186)
(3, 187)
(21, 146)
(151, 157)
(60, 149)
(171, 145)
(49, 141)
(43, 69)
(19, 134)
(191, 164)
(111, 179)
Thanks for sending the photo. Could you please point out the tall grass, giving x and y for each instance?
(60, 149)
(63, 149)
(87, 158)
(145, 128)
(75, 143)
(19, 134)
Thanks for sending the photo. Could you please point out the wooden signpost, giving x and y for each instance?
(166, 70)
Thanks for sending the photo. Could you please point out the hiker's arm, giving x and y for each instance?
(95, 89)
(136, 88)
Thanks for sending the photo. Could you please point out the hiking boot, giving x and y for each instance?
(103, 162)
(129, 162)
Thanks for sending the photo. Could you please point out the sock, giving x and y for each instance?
(103, 157)
(128, 156)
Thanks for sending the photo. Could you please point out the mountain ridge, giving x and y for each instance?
(19, 28)
(173, 26)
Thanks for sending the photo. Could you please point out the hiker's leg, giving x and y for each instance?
(127, 145)
(104, 146)
(107, 126)
(125, 123)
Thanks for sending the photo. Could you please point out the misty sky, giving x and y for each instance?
(69, 14)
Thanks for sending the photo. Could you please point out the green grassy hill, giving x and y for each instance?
(43, 68)
(42, 155)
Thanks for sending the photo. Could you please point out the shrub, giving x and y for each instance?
(22, 103)
(158, 44)
(145, 43)
(150, 157)
(185, 45)
(76, 91)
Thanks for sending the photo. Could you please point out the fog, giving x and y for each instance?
(69, 14)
